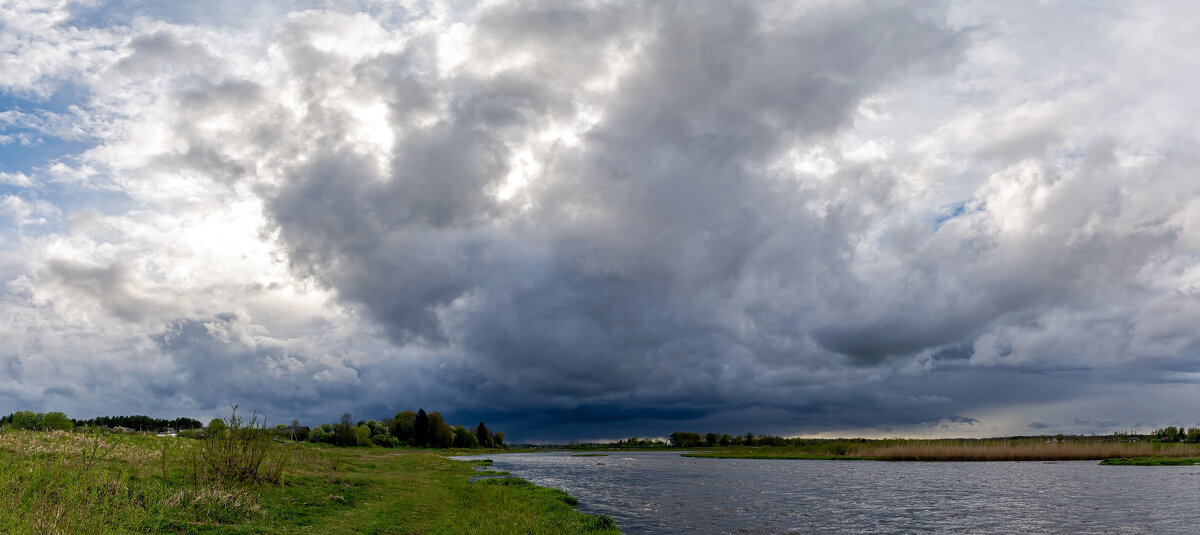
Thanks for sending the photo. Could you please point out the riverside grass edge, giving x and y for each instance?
(94, 483)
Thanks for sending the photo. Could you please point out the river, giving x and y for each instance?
(660, 492)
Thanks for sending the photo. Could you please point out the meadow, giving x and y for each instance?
(100, 483)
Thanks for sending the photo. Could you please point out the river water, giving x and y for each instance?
(660, 492)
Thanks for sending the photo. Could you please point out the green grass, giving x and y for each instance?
(78, 483)
(1152, 461)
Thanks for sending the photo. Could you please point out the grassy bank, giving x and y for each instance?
(59, 482)
(960, 450)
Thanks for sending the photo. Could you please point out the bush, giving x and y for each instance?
(244, 452)
(57, 420)
(319, 434)
(362, 436)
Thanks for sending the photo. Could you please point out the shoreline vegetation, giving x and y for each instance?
(248, 479)
(962, 450)
(1166, 446)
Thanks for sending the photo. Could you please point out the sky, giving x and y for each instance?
(591, 220)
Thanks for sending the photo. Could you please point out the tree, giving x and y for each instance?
(57, 420)
(421, 429)
(441, 435)
(28, 420)
(362, 436)
(483, 436)
(711, 439)
(216, 425)
(403, 425)
(464, 438)
(344, 434)
(378, 429)
(319, 434)
(685, 440)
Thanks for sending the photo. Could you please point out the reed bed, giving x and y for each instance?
(1020, 450)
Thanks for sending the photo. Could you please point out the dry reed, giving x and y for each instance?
(1026, 450)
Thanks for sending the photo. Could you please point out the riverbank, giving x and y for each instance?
(98, 484)
(959, 450)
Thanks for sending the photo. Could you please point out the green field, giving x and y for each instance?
(75, 482)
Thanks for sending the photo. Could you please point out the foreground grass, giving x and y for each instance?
(78, 483)
(959, 450)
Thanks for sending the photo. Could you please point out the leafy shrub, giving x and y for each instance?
(244, 452)
(319, 434)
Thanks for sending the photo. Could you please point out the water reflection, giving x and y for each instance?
(657, 492)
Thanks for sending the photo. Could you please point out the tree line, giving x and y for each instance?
(141, 422)
(1178, 434)
(684, 439)
(406, 428)
(38, 421)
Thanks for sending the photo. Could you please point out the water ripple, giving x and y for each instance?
(654, 492)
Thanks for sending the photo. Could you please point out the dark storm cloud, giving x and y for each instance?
(658, 261)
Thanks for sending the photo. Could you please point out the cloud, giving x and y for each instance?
(583, 218)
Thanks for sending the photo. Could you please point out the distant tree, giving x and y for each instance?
(441, 435)
(499, 436)
(378, 429)
(57, 420)
(421, 433)
(216, 425)
(748, 440)
(685, 440)
(319, 434)
(444, 436)
(344, 434)
(403, 425)
(725, 440)
(28, 420)
(1193, 434)
(362, 435)
(483, 436)
(711, 439)
(464, 438)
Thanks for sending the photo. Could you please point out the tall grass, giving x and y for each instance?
(60, 482)
(99, 484)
